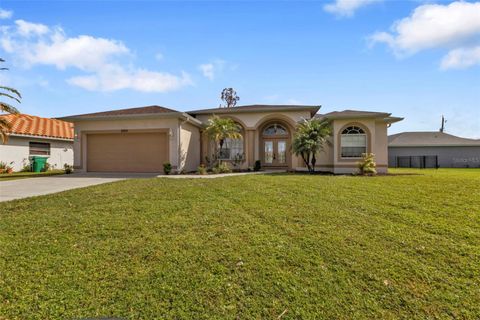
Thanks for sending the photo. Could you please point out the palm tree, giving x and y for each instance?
(309, 139)
(219, 129)
(12, 94)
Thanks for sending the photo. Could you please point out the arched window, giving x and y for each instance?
(353, 142)
(275, 130)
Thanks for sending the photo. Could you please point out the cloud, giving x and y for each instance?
(105, 61)
(455, 27)
(38, 44)
(347, 8)
(114, 77)
(5, 14)
(210, 70)
(26, 29)
(461, 58)
(207, 70)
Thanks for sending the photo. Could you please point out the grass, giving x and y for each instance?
(24, 175)
(258, 246)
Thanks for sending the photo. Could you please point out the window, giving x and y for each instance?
(275, 130)
(39, 149)
(353, 142)
(232, 149)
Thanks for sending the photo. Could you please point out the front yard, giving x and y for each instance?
(259, 246)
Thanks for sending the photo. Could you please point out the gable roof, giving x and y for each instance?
(258, 108)
(24, 124)
(429, 139)
(353, 114)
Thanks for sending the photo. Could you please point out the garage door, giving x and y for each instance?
(127, 152)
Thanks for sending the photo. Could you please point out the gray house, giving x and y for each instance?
(432, 150)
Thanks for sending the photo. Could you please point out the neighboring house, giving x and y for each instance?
(35, 136)
(142, 139)
(432, 150)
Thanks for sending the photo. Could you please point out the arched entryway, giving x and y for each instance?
(275, 140)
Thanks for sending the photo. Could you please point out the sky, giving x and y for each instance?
(415, 59)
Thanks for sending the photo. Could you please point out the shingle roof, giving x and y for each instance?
(429, 138)
(23, 124)
(129, 111)
(352, 114)
(256, 108)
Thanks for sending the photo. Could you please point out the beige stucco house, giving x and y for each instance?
(143, 139)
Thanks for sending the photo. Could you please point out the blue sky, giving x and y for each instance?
(415, 59)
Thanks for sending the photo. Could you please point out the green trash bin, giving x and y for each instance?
(39, 163)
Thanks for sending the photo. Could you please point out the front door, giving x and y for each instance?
(275, 152)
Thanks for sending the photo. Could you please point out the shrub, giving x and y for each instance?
(258, 165)
(6, 168)
(202, 169)
(68, 168)
(47, 167)
(3, 167)
(167, 168)
(221, 168)
(26, 168)
(367, 165)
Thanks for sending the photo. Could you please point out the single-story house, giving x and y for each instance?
(143, 139)
(35, 136)
(432, 150)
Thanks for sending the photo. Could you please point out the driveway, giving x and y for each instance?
(29, 187)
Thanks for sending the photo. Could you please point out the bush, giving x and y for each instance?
(258, 165)
(367, 165)
(3, 167)
(6, 168)
(68, 168)
(47, 167)
(202, 169)
(26, 168)
(167, 168)
(221, 168)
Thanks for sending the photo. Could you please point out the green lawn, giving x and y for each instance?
(24, 175)
(258, 246)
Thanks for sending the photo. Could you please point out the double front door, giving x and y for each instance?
(275, 153)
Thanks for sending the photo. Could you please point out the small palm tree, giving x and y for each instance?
(219, 129)
(309, 139)
(10, 93)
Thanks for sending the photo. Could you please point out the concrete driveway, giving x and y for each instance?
(29, 187)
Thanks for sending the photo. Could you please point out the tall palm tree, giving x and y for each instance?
(12, 94)
(219, 129)
(309, 139)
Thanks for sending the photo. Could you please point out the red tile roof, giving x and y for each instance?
(36, 126)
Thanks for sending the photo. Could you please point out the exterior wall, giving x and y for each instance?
(189, 147)
(376, 143)
(252, 124)
(448, 157)
(17, 150)
(330, 159)
(82, 128)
